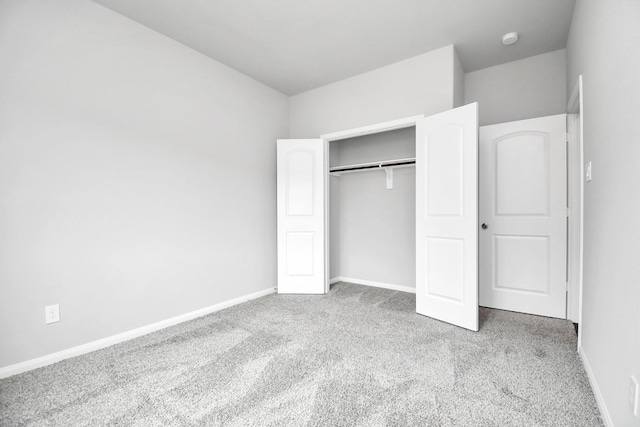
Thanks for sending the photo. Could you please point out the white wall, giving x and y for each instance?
(603, 46)
(373, 229)
(137, 177)
(420, 85)
(524, 89)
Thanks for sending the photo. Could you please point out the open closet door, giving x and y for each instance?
(447, 216)
(302, 192)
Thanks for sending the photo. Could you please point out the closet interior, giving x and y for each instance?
(372, 209)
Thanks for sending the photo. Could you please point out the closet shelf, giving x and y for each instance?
(373, 165)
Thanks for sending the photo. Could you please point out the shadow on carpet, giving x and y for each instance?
(356, 356)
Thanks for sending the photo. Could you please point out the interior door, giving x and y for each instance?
(447, 216)
(302, 219)
(523, 193)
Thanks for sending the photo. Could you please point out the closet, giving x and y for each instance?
(372, 238)
(340, 216)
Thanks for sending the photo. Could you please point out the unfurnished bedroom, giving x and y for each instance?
(319, 213)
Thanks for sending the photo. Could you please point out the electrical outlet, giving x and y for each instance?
(589, 175)
(634, 396)
(52, 313)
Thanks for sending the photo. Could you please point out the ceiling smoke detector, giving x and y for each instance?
(509, 38)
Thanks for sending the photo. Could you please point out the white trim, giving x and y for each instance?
(575, 97)
(326, 218)
(353, 133)
(49, 359)
(575, 259)
(604, 413)
(368, 130)
(374, 284)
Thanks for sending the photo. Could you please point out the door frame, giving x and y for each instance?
(402, 123)
(575, 172)
(460, 314)
(405, 122)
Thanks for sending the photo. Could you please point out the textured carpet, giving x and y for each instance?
(357, 356)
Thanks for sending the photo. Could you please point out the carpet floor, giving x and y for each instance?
(356, 356)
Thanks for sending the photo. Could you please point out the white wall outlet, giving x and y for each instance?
(588, 171)
(52, 313)
(634, 396)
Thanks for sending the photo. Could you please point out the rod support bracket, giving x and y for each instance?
(389, 172)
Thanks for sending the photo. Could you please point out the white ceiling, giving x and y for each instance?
(297, 45)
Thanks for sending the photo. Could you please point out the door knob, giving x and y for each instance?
(485, 225)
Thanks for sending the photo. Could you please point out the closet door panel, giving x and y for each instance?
(447, 216)
(445, 275)
(444, 174)
(302, 207)
(299, 182)
(300, 253)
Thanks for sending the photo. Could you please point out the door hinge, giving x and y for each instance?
(568, 212)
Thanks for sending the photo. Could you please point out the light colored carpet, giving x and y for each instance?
(357, 356)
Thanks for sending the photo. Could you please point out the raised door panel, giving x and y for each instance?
(444, 174)
(445, 275)
(522, 174)
(299, 183)
(300, 253)
(521, 264)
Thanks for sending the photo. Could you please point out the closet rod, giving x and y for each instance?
(374, 165)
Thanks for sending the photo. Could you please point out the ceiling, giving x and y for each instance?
(297, 45)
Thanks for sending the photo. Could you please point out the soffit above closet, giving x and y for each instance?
(293, 46)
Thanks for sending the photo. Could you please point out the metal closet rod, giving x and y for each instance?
(374, 165)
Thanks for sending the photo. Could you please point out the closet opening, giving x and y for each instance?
(372, 209)
(366, 227)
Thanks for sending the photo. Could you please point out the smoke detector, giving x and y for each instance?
(509, 38)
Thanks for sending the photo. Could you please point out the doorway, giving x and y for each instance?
(372, 210)
(446, 213)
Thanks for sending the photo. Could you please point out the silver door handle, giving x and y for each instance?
(485, 225)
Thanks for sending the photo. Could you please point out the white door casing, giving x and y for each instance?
(302, 216)
(575, 174)
(523, 197)
(447, 216)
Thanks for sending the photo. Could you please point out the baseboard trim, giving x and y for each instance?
(52, 358)
(374, 284)
(604, 413)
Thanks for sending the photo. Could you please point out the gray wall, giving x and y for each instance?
(420, 85)
(373, 229)
(458, 81)
(426, 84)
(524, 89)
(137, 177)
(604, 46)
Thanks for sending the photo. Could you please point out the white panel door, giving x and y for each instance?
(523, 205)
(447, 216)
(302, 192)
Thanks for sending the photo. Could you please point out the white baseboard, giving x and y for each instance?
(49, 359)
(604, 413)
(374, 284)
